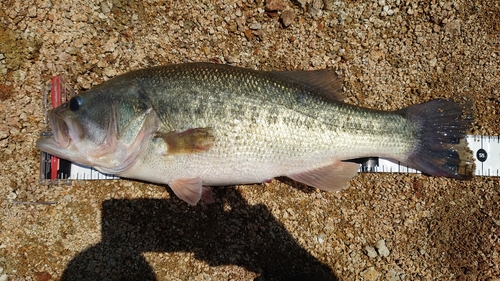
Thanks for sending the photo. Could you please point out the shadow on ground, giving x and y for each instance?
(228, 232)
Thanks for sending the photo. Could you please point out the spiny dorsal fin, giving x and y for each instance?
(326, 81)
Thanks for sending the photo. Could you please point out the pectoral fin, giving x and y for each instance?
(189, 141)
(329, 178)
(191, 190)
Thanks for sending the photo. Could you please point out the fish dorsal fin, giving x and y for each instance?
(330, 178)
(326, 82)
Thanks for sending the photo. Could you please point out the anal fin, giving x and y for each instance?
(329, 178)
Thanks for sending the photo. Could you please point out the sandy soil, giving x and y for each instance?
(382, 227)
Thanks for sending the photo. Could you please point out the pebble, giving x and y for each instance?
(287, 18)
(382, 249)
(109, 46)
(320, 238)
(255, 26)
(316, 8)
(12, 196)
(370, 274)
(105, 8)
(387, 11)
(275, 5)
(433, 62)
(395, 275)
(371, 252)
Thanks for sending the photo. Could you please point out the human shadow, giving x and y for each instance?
(228, 232)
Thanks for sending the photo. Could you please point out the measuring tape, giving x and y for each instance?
(54, 170)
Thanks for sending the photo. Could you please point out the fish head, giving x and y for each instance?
(105, 127)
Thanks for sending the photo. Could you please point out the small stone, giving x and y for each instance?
(255, 26)
(382, 249)
(12, 196)
(42, 276)
(110, 72)
(11, 121)
(370, 274)
(433, 62)
(387, 9)
(32, 11)
(105, 8)
(316, 9)
(4, 277)
(287, 18)
(395, 275)
(109, 46)
(453, 27)
(371, 252)
(274, 5)
(249, 34)
(320, 238)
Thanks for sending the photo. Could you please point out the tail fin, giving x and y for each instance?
(442, 149)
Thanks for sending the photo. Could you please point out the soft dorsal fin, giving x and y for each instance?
(326, 81)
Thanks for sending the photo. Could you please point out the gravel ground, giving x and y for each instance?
(381, 227)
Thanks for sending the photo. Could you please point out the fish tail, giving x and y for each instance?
(441, 148)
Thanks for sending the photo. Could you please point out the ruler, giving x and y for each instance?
(54, 170)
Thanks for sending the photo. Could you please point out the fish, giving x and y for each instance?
(196, 125)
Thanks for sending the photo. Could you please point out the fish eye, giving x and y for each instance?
(75, 103)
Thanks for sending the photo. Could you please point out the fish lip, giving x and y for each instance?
(60, 142)
(60, 129)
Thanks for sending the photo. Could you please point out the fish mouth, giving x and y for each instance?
(65, 132)
(60, 130)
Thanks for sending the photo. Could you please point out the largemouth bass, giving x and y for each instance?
(200, 124)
